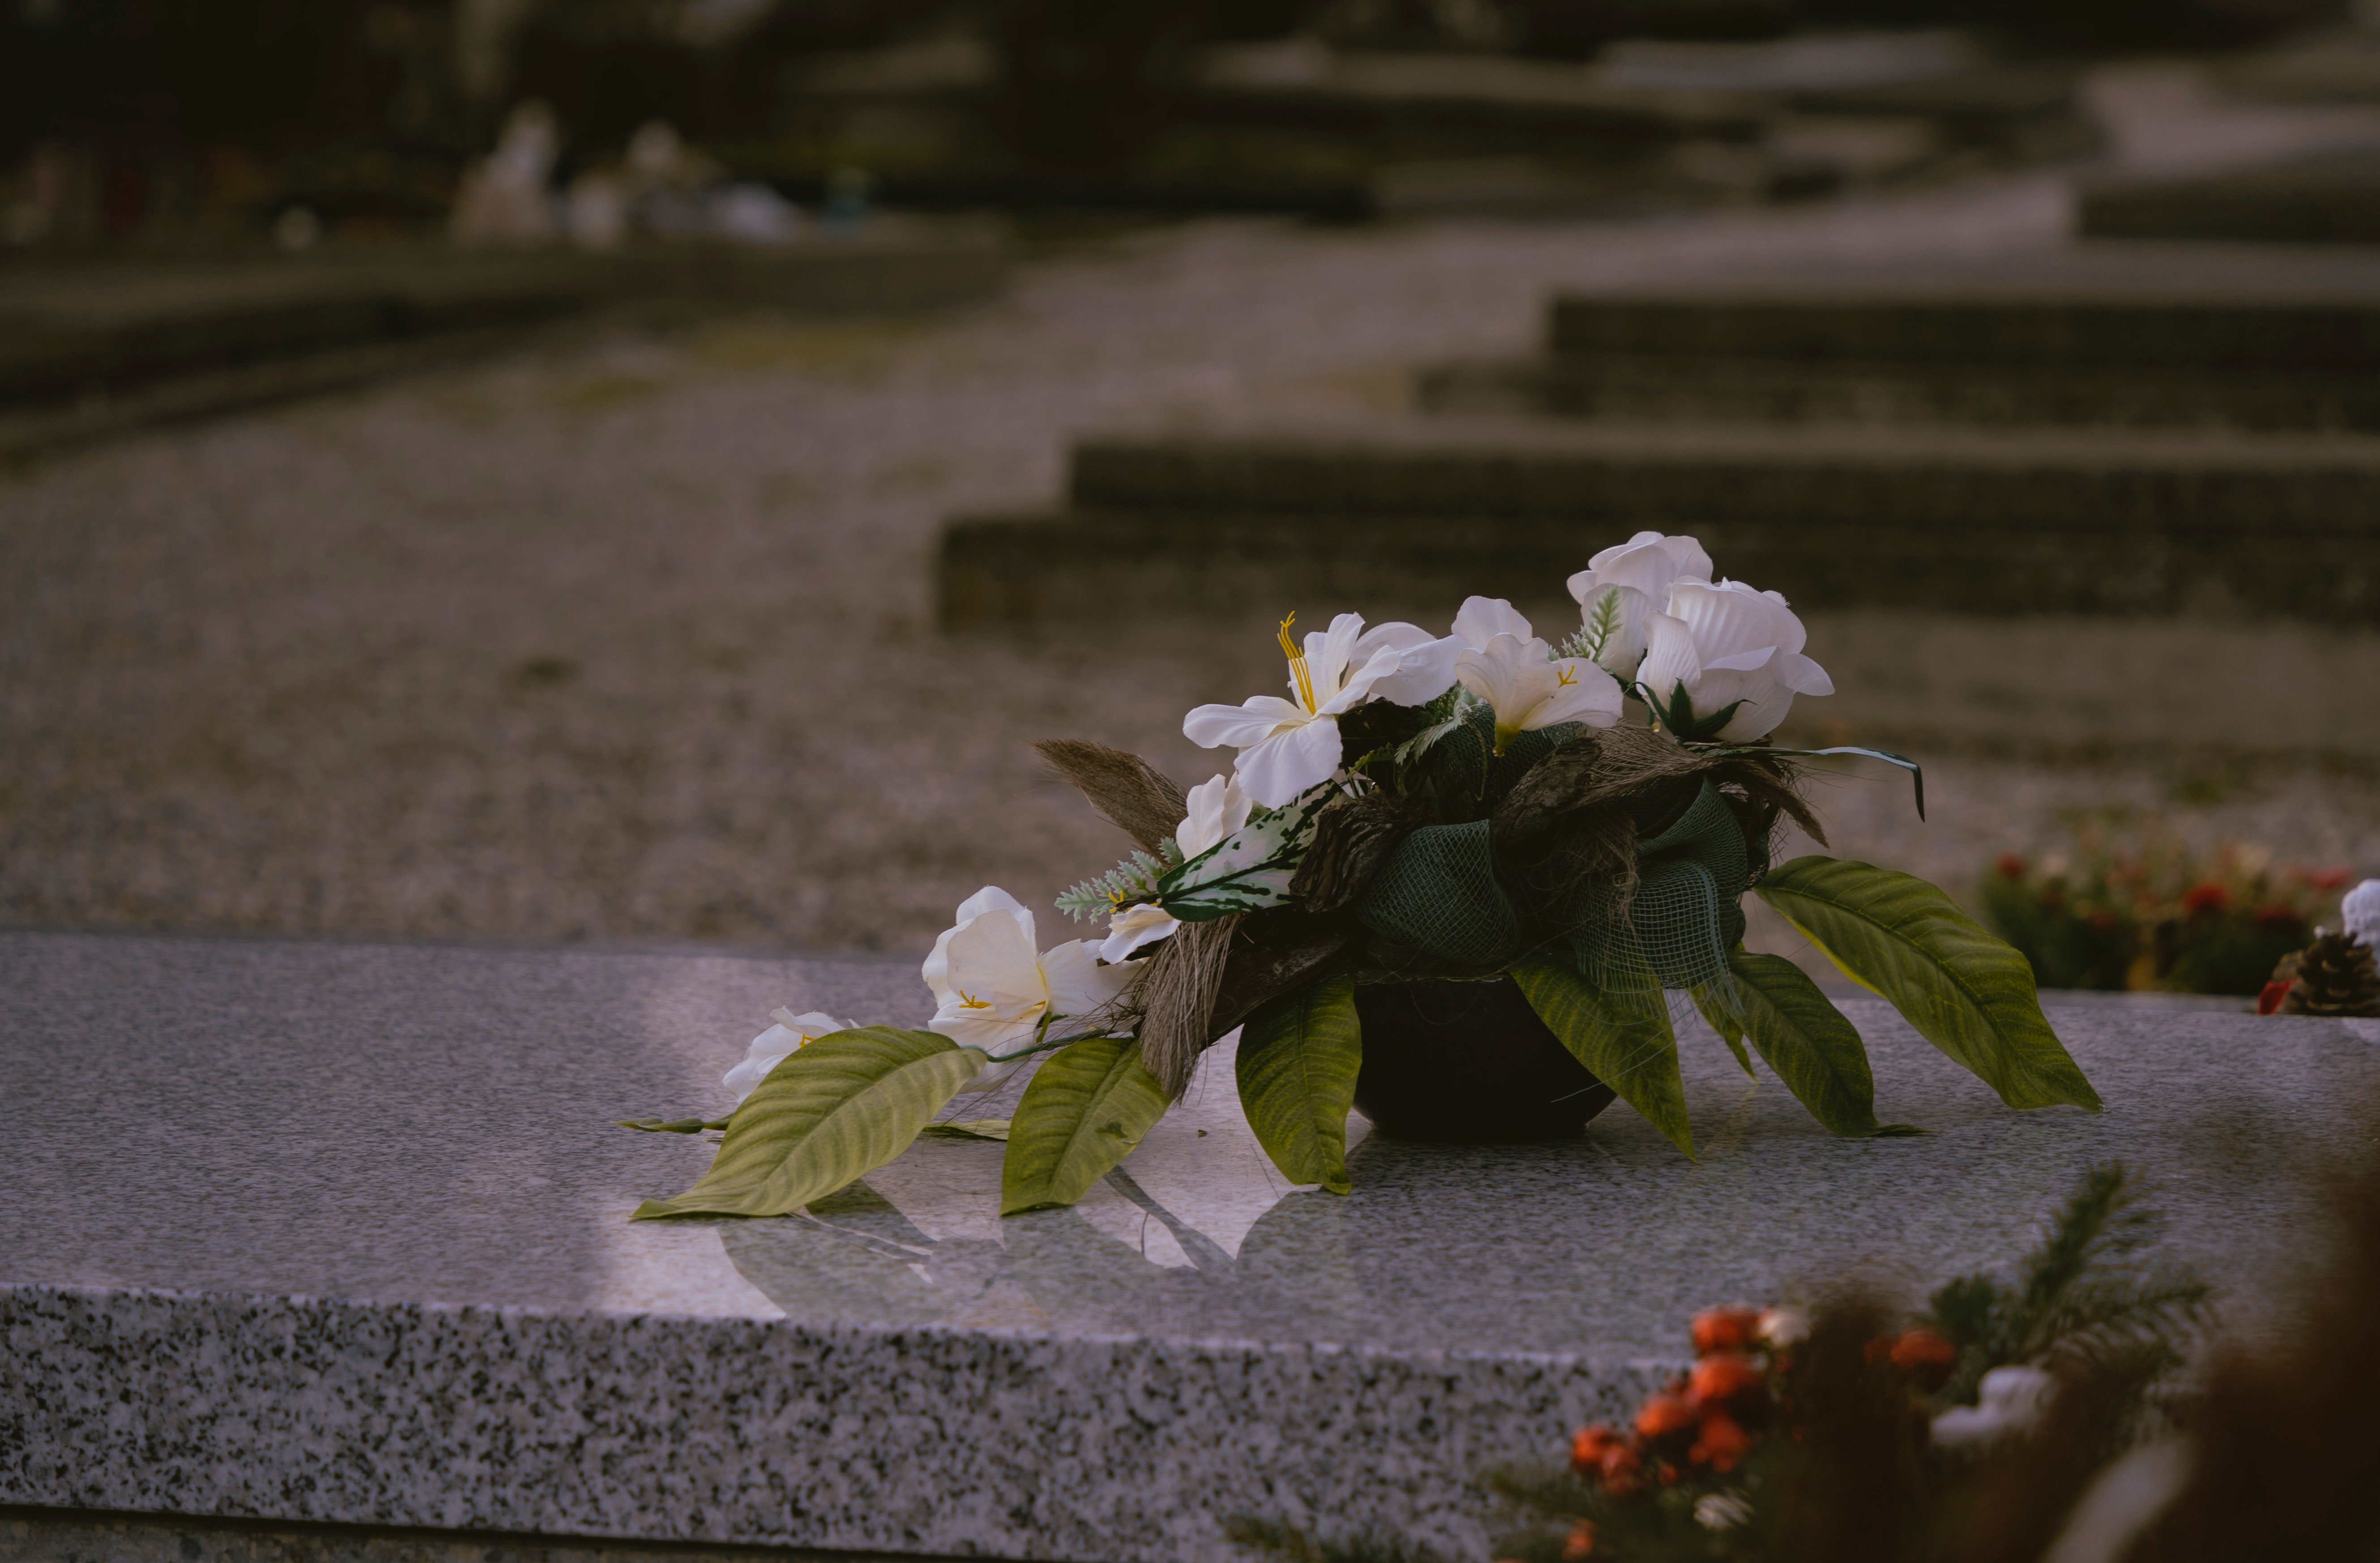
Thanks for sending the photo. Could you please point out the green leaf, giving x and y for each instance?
(1807, 1040)
(837, 1109)
(1087, 1108)
(671, 1126)
(1298, 1061)
(1966, 992)
(1720, 1017)
(969, 1129)
(1636, 1054)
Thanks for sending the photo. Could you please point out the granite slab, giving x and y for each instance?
(337, 1233)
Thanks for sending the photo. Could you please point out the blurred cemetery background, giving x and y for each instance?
(642, 470)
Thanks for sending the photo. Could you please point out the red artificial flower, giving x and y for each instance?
(2276, 994)
(2276, 918)
(1621, 1470)
(2324, 879)
(2204, 898)
(1923, 1355)
(2010, 866)
(1723, 1377)
(1588, 1446)
(1664, 1415)
(1668, 1474)
(1720, 1443)
(1580, 1542)
(1725, 1329)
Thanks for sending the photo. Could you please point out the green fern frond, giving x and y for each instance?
(1132, 879)
(1602, 624)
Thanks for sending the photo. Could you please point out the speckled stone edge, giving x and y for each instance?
(645, 1426)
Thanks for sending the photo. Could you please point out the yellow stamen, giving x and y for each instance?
(1298, 671)
(969, 1001)
(1564, 678)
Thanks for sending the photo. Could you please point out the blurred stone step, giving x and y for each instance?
(2325, 198)
(1406, 515)
(97, 347)
(2141, 335)
(1666, 387)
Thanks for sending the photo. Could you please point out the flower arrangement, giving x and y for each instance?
(2142, 910)
(1473, 813)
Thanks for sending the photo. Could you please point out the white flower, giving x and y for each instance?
(1517, 673)
(1723, 1511)
(2010, 1401)
(781, 1041)
(993, 992)
(1780, 1327)
(1217, 806)
(1288, 747)
(1725, 646)
(2360, 911)
(1631, 582)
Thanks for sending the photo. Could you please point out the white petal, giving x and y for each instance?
(1291, 762)
(1765, 701)
(1133, 928)
(1329, 654)
(1802, 675)
(1202, 824)
(1693, 562)
(1484, 618)
(1242, 725)
(995, 1036)
(815, 1023)
(1727, 622)
(989, 969)
(1423, 673)
(1668, 658)
(1075, 981)
(989, 898)
(1648, 567)
(1616, 550)
(1592, 697)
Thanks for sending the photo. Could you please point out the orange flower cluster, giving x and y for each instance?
(1921, 1353)
(1708, 1419)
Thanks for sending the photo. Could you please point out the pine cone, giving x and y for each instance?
(2336, 976)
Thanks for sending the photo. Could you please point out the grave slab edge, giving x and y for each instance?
(1082, 1449)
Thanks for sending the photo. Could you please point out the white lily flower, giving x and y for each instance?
(1517, 673)
(1143, 923)
(1725, 645)
(789, 1035)
(2010, 1400)
(993, 991)
(1288, 747)
(1631, 581)
(1217, 807)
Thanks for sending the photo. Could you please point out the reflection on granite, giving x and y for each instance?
(338, 1233)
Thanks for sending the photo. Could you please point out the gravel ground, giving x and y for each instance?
(629, 640)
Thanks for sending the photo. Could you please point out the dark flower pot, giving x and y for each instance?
(1469, 1063)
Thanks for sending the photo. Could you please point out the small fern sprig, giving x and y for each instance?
(1602, 624)
(1132, 879)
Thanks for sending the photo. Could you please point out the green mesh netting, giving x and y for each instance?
(1687, 912)
(1436, 905)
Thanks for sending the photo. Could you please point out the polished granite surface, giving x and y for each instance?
(434, 1124)
(337, 1233)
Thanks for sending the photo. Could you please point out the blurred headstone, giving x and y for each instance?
(505, 198)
